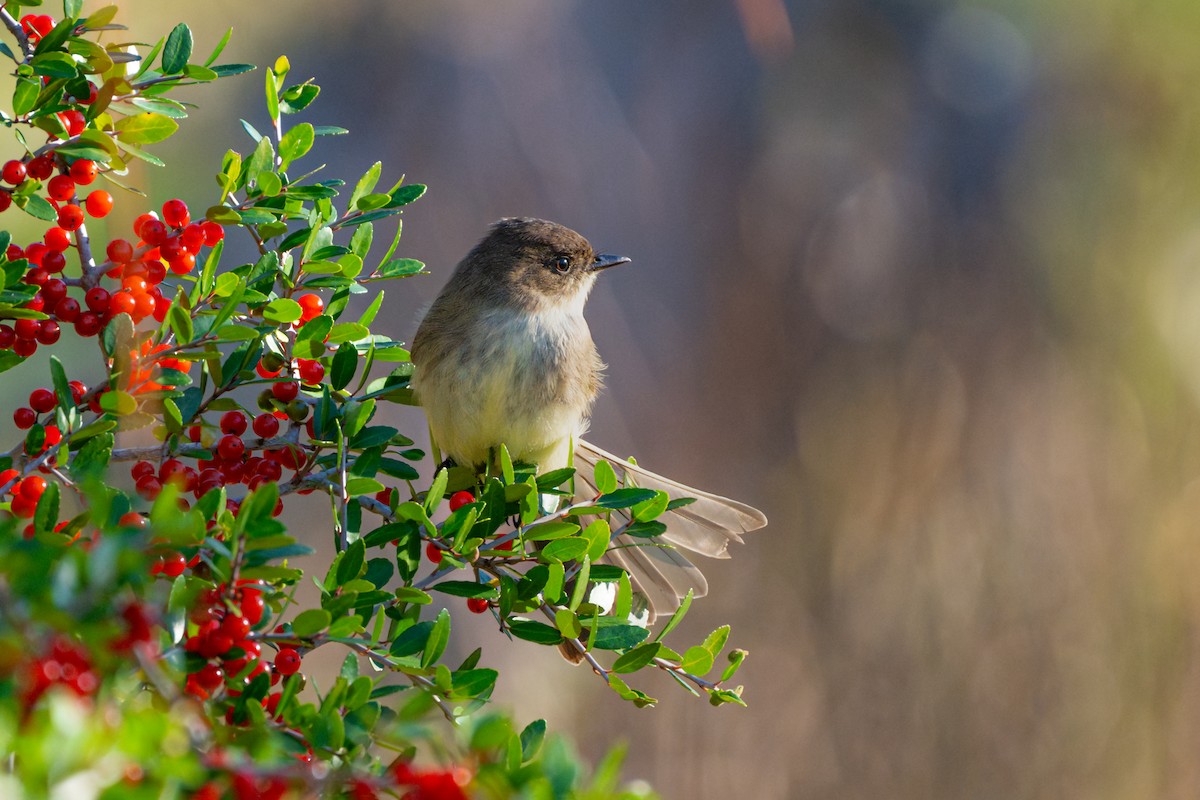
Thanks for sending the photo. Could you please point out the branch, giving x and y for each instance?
(17, 31)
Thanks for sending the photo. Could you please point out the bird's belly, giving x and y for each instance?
(510, 387)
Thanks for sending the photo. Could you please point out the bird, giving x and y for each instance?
(504, 355)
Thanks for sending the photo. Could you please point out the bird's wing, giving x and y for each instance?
(707, 526)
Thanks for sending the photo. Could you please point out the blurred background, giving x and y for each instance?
(920, 279)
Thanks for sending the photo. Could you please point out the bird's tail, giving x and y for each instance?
(658, 567)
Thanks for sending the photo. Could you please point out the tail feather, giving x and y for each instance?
(707, 526)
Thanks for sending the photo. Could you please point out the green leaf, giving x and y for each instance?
(404, 195)
(351, 564)
(409, 594)
(45, 515)
(220, 48)
(697, 660)
(62, 388)
(25, 96)
(398, 268)
(180, 321)
(605, 477)
(37, 207)
(411, 640)
(177, 50)
(598, 534)
(282, 310)
(311, 622)
(366, 183)
(564, 550)
(466, 589)
(636, 658)
(439, 636)
(615, 634)
(145, 128)
(345, 362)
(677, 617)
(554, 478)
(297, 98)
(715, 642)
(295, 143)
(72, 8)
(736, 658)
(536, 632)
(473, 682)
(118, 402)
(436, 490)
(581, 584)
(567, 623)
(225, 70)
(532, 738)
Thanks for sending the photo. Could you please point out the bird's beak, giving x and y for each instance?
(606, 260)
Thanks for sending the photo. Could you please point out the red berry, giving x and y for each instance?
(253, 606)
(210, 677)
(460, 499)
(83, 171)
(287, 661)
(141, 470)
(53, 436)
(26, 328)
(7, 336)
(233, 422)
(310, 370)
(70, 217)
(88, 323)
(174, 565)
(477, 605)
(230, 448)
(148, 487)
(154, 232)
(235, 627)
(213, 232)
(32, 487)
(175, 213)
(5, 200)
(99, 203)
(56, 238)
(48, 332)
(42, 400)
(24, 418)
(25, 347)
(97, 299)
(132, 519)
(433, 553)
(121, 303)
(60, 188)
(119, 251)
(266, 426)
(13, 172)
(285, 391)
(311, 305)
(54, 261)
(74, 121)
(67, 309)
(184, 264)
(78, 390)
(41, 167)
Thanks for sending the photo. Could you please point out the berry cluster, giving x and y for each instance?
(223, 654)
(65, 663)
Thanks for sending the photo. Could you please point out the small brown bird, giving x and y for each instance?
(504, 355)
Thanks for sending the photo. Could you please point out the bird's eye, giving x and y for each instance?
(562, 265)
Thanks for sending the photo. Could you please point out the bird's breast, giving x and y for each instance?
(523, 378)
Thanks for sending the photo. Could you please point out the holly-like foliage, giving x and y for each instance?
(151, 640)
